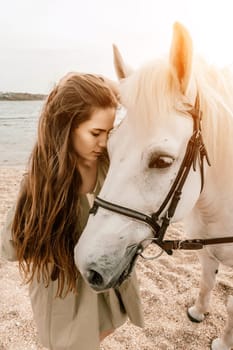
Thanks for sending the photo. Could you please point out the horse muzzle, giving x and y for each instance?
(105, 273)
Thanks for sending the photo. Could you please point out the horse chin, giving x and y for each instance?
(127, 271)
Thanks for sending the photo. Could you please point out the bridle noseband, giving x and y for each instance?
(195, 152)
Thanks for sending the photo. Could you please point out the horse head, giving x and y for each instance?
(146, 153)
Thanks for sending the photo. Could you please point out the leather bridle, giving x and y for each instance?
(195, 152)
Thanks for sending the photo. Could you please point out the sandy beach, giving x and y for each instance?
(168, 286)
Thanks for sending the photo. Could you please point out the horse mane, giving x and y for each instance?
(149, 92)
(215, 87)
(152, 92)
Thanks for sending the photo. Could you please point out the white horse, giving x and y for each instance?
(148, 154)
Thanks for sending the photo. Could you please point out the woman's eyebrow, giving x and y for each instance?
(99, 129)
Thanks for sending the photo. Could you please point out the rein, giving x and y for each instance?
(195, 151)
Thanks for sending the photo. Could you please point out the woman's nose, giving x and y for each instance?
(103, 141)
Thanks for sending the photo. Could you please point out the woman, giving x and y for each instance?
(66, 170)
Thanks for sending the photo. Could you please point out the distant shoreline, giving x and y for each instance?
(21, 96)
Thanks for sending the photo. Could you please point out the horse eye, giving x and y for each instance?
(161, 162)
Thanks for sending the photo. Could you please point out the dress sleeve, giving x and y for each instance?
(7, 250)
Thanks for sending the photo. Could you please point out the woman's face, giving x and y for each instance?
(90, 137)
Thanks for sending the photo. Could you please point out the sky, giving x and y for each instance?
(42, 40)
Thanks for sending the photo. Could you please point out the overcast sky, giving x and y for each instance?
(41, 40)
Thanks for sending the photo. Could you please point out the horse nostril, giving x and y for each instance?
(94, 278)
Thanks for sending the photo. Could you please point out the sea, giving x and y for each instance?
(18, 131)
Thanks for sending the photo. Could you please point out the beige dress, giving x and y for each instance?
(75, 321)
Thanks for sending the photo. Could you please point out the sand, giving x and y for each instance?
(168, 286)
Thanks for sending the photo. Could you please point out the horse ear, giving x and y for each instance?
(122, 70)
(181, 53)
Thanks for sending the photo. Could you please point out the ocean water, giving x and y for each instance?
(18, 130)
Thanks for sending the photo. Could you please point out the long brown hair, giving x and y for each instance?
(44, 228)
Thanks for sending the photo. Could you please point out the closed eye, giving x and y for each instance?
(160, 162)
(95, 134)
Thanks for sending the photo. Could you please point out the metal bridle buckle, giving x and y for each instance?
(179, 246)
(141, 249)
